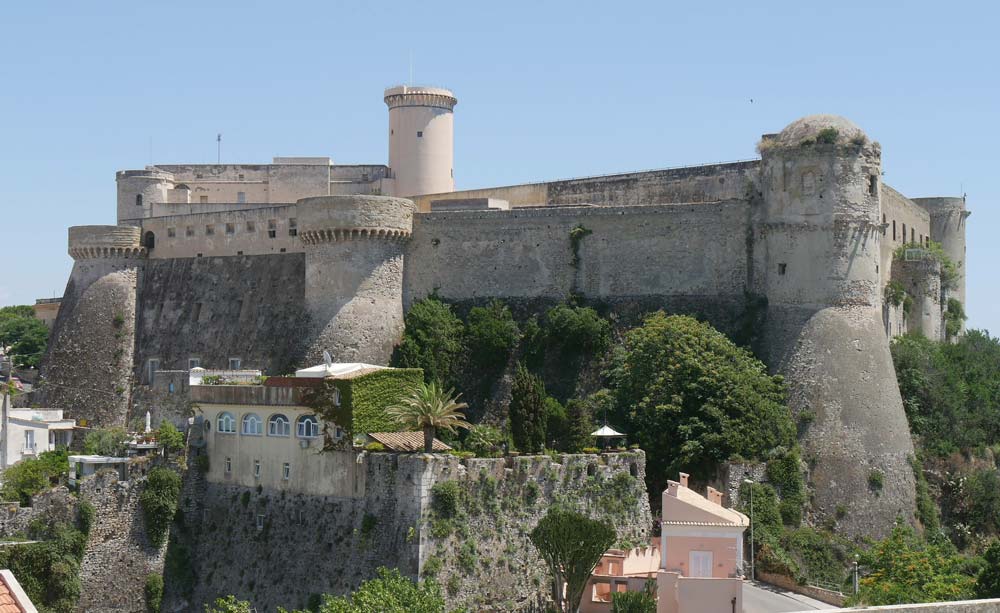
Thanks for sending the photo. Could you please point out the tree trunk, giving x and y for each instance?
(428, 439)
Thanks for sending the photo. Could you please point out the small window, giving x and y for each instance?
(194, 362)
(913, 235)
(198, 175)
(278, 425)
(251, 226)
(256, 473)
(239, 177)
(239, 253)
(272, 228)
(170, 387)
(252, 425)
(138, 199)
(230, 228)
(307, 427)
(171, 232)
(286, 471)
(235, 363)
(226, 423)
(282, 250)
(209, 230)
(885, 225)
(293, 229)
(420, 134)
(189, 231)
(199, 255)
(893, 229)
(229, 465)
(241, 197)
(203, 199)
(873, 184)
(904, 232)
(260, 518)
(152, 366)
(782, 268)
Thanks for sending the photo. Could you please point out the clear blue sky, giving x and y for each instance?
(546, 90)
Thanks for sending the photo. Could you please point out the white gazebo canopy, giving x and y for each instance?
(606, 432)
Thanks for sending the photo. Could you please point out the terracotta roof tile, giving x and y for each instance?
(403, 441)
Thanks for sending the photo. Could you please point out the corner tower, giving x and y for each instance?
(948, 217)
(87, 369)
(354, 275)
(421, 139)
(817, 235)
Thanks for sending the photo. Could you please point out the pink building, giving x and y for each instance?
(697, 563)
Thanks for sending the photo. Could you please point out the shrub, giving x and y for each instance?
(876, 480)
(895, 293)
(527, 411)
(634, 602)
(34, 475)
(159, 503)
(374, 446)
(154, 592)
(827, 136)
(484, 440)
(954, 317)
(390, 592)
(109, 442)
(432, 340)
(575, 329)
(590, 450)
(85, 516)
(445, 498)
(169, 437)
(491, 335)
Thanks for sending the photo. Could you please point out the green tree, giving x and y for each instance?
(527, 411)
(433, 340)
(390, 592)
(571, 545)
(34, 475)
(491, 335)
(429, 407)
(229, 604)
(988, 582)
(109, 442)
(159, 503)
(22, 335)
(693, 399)
(169, 437)
(575, 329)
(904, 568)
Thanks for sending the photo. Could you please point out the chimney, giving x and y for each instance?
(672, 488)
(684, 479)
(714, 495)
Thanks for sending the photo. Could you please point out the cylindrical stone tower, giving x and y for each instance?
(948, 228)
(138, 190)
(817, 247)
(87, 370)
(421, 139)
(354, 274)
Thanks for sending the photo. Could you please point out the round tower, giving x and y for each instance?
(139, 189)
(88, 365)
(817, 254)
(354, 274)
(948, 228)
(421, 139)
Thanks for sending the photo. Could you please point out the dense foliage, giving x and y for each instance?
(390, 592)
(49, 570)
(33, 475)
(988, 581)
(635, 602)
(169, 437)
(491, 335)
(433, 340)
(154, 592)
(571, 545)
(527, 411)
(22, 335)
(229, 604)
(692, 398)
(905, 568)
(951, 391)
(159, 503)
(109, 442)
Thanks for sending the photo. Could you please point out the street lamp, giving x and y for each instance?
(753, 575)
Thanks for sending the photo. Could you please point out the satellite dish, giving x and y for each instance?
(327, 359)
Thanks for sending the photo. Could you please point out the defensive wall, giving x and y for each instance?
(279, 548)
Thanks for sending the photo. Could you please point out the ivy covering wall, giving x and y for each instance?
(364, 399)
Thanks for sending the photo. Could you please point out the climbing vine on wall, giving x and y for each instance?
(576, 236)
(358, 405)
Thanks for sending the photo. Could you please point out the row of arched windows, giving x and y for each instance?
(306, 426)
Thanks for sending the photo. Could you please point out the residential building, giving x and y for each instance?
(81, 466)
(30, 432)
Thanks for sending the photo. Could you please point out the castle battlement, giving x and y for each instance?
(88, 242)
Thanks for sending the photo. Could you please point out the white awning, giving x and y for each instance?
(605, 431)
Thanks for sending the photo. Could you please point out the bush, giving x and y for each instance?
(634, 602)
(374, 446)
(827, 136)
(48, 571)
(108, 442)
(34, 475)
(445, 499)
(574, 330)
(159, 503)
(433, 340)
(24, 336)
(390, 592)
(85, 516)
(491, 335)
(169, 437)
(527, 411)
(485, 441)
(954, 317)
(876, 480)
(154, 592)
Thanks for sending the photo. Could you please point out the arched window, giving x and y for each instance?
(226, 423)
(150, 240)
(307, 427)
(278, 425)
(252, 424)
(138, 199)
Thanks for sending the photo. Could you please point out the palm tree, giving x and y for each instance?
(428, 407)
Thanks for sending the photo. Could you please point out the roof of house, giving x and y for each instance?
(405, 441)
(341, 370)
(12, 597)
(702, 512)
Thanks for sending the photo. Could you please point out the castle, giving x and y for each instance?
(267, 266)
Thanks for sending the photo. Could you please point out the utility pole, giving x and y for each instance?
(5, 413)
(753, 574)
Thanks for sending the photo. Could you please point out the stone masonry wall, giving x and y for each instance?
(280, 549)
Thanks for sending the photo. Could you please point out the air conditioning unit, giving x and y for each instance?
(304, 443)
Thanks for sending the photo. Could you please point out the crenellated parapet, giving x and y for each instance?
(92, 242)
(420, 95)
(332, 235)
